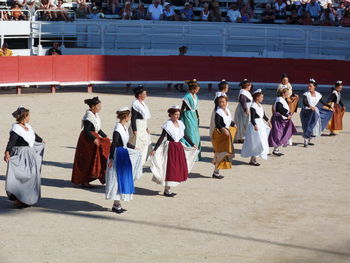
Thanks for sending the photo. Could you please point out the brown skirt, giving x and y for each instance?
(90, 161)
(223, 148)
(336, 123)
(293, 103)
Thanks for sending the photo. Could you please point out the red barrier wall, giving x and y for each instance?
(175, 68)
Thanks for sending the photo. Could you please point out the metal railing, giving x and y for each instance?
(9, 15)
(46, 14)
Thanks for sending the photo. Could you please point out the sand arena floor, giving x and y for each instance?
(291, 209)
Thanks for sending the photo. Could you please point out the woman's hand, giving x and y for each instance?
(313, 108)
(269, 123)
(246, 112)
(148, 131)
(152, 153)
(256, 127)
(194, 146)
(110, 163)
(225, 132)
(7, 156)
(134, 132)
(289, 117)
(96, 142)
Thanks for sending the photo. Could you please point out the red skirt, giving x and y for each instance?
(90, 161)
(176, 170)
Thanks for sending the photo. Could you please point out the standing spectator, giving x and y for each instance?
(5, 51)
(340, 11)
(155, 11)
(280, 8)
(114, 5)
(234, 15)
(314, 9)
(268, 16)
(31, 7)
(215, 13)
(4, 16)
(247, 13)
(61, 13)
(187, 12)
(169, 13)
(55, 50)
(95, 14)
(306, 19)
(16, 13)
(140, 13)
(205, 12)
(127, 13)
(293, 19)
(182, 52)
(82, 11)
(346, 19)
(327, 18)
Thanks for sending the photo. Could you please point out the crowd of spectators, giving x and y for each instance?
(303, 12)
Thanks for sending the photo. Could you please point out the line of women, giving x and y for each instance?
(118, 162)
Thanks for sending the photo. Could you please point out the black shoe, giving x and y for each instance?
(277, 154)
(218, 176)
(332, 134)
(118, 210)
(169, 194)
(254, 163)
(312, 144)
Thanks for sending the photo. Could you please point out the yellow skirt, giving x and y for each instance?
(223, 148)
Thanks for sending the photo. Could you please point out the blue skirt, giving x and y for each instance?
(124, 171)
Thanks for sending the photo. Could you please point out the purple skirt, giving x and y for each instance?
(281, 131)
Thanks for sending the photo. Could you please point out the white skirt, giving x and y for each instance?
(256, 142)
(142, 140)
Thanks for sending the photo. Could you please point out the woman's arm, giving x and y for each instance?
(12, 141)
(252, 116)
(102, 134)
(243, 102)
(116, 137)
(305, 101)
(160, 140)
(133, 119)
(188, 139)
(88, 128)
(38, 138)
(281, 109)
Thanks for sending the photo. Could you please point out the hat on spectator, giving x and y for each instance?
(187, 3)
(166, 4)
(127, 3)
(94, 8)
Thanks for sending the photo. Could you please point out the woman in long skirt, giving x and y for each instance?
(223, 138)
(292, 98)
(256, 138)
(243, 109)
(92, 150)
(171, 160)
(314, 119)
(124, 165)
(282, 127)
(139, 132)
(189, 115)
(223, 90)
(336, 123)
(24, 155)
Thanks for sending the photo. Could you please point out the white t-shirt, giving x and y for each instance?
(233, 15)
(156, 12)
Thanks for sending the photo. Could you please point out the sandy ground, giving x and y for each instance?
(290, 209)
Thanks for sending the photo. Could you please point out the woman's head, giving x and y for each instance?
(312, 85)
(193, 86)
(123, 114)
(284, 79)
(222, 101)
(245, 84)
(223, 86)
(338, 85)
(174, 113)
(140, 92)
(94, 104)
(283, 92)
(258, 96)
(21, 115)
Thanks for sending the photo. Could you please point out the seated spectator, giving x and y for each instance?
(55, 50)
(21, 3)
(95, 14)
(346, 19)
(204, 16)
(155, 11)
(306, 19)
(114, 6)
(215, 13)
(169, 14)
(4, 16)
(140, 13)
(46, 14)
(183, 50)
(327, 18)
(340, 12)
(61, 13)
(268, 16)
(16, 13)
(187, 13)
(314, 9)
(126, 12)
(247, 13)
(293, 19)
(280, 8)
(31, 7)
(5, 51)
(82, 11)
(234, 15)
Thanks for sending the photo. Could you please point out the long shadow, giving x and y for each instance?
(58, 164)
(74, 208)
(197, 175)
(69, 147)
(203, 127)
(51, 182)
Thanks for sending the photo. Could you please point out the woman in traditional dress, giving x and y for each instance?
(256, 142)
(313, 119)
(92, 151)
(24, 155)
(124, 165)
(139, 132)
(222, 138)
(243, 109)
(171, 160)
(223, 90)
(282, 127)
(293, 98)
(189, 115)
(336, 123)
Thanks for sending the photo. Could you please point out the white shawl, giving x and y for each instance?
(195, 102)
(93, 118)
(338, 95)
(259, 109)
(142, 108)
(124, 133)
(284, 103)
(175, 132)
(28, 136)
(225, 115)
(313, 100)
(245, 93)
(219, 94)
